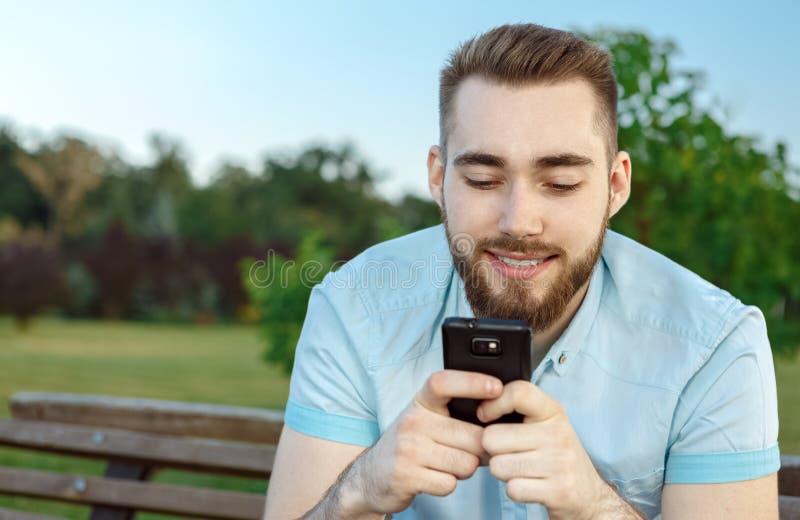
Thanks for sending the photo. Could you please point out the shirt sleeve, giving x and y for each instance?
(726, 421)
(330, 391)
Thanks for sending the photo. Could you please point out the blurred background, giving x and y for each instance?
(150, 152)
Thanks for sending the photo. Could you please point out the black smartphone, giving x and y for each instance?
(501, 348)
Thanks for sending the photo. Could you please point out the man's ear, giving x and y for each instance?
(619, 183)
(436, 174)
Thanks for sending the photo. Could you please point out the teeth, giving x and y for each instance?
(520, 263)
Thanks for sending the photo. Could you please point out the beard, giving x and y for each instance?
(539, 302)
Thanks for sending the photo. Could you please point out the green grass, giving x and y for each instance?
(210, 364)
(787, 375)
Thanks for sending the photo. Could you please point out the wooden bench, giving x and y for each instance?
(137, 437)
(789, 487)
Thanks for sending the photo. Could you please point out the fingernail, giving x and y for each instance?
(491, 386)
(479, 413)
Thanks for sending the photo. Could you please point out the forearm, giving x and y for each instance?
(344, 499)
(612, 505)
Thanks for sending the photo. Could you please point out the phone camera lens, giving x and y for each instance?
(486, 347)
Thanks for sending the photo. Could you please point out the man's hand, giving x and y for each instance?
(424, 451)
(542, 460)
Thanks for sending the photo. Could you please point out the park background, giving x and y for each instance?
(150, 152)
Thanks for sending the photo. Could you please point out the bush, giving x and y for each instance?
(115, 265)
(222, 264)
(31, 278)
(279, 288)
(82, 290)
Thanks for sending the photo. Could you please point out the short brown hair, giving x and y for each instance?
(523, 54)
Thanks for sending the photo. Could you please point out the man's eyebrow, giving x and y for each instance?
(472, 158)
(562, 159)
(478, 159)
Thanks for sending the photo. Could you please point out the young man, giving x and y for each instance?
(653, 391)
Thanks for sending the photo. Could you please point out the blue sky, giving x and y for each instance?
(237, 79)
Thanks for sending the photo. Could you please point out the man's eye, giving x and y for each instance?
(481, 185)
(564, 187)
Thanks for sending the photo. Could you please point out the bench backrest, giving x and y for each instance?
(138, 437)
(789, 487)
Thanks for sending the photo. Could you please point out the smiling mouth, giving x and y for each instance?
(522, 263)
(520, 267)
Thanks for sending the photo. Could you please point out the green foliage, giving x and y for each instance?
(715, 202)
(82, 289)
(18, 198)
(720, 203)
(330, 191)
(145, 198)
(279, 288)
(63, 172)
(784, 336)
(416, 213)
(230, 205)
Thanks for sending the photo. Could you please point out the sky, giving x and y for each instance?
(235, 80)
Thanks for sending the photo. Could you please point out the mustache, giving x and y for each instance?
(533, 246)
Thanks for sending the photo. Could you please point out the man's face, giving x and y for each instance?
(526, 196)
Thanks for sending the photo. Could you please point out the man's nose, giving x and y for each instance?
(522, 213)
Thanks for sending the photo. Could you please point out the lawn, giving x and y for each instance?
(212, 364)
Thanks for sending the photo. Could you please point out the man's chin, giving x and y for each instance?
(514, 306)
(533, 291)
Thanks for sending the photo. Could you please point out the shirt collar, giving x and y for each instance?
(563, 352)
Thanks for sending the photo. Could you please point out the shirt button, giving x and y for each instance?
(562, 359)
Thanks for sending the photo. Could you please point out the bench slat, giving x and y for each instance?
(789, 475)
(789, 508)
(8, 514)
(245, 460)
(155, 498)
(127, 471)
(234, 423)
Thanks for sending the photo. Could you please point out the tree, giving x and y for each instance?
(170, 171)
(415, 213)
(115, 264)
(223, 265)
(226, 207)
(716, 202)
(18, 198)
(31, 277)
(170, 177)
(327, 190)
(63, 173)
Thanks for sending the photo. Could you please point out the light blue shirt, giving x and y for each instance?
(665, 377)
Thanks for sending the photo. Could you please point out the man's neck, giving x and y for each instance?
(543, 340)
